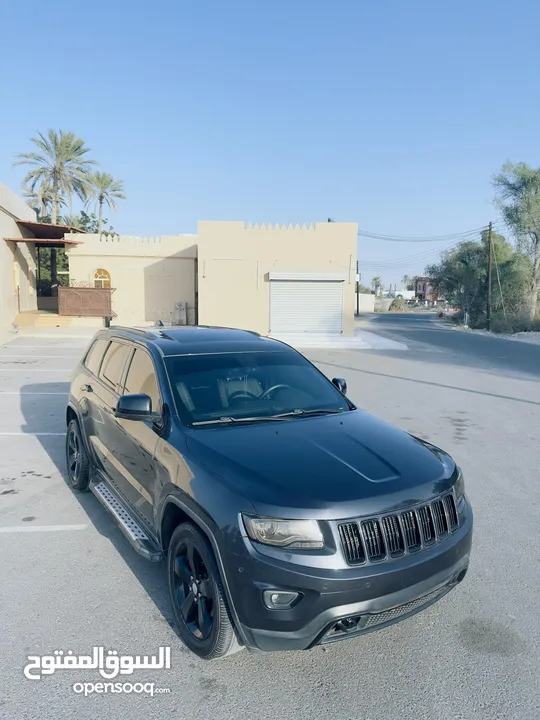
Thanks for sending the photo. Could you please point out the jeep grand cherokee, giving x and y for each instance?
(288, 516)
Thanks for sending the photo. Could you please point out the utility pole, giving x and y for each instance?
(490, 263)
(357, 288)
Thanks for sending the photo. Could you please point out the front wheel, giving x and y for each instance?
(197, 595)
(78, 464)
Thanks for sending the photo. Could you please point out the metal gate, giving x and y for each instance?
(85, 302)
(306, 306)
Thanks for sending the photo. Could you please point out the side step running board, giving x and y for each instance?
(140, 540)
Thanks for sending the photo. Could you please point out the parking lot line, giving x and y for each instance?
(11, 392)
(4, 370)
(41, 528)
(30, 434)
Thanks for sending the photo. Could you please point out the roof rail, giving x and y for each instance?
(145, 332)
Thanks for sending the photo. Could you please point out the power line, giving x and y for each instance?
(415, 239)
(425, 255)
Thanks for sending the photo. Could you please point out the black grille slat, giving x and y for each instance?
(426, 523)
(412, 531)
(439, 516)
(352, 543)
(394, 537)
(390, 536)
(374, 541)
(451, 511)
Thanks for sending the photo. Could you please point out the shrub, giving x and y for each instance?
(398, 305)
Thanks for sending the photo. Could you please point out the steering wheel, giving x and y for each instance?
(265, 395)
(242, 394)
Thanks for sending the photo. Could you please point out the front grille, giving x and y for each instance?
(440, 518)
(373, 539)
(390, 536)
(451, 509)
(394, 536)
(352, 544)
(412, 532)
(426, 522)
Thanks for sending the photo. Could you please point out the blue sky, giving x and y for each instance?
(394, 114)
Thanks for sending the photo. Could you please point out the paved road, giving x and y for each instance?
(69, 580)
(461, 346)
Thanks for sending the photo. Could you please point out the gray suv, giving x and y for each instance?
(288, 517)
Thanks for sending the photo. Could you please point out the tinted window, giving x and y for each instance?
(249, 385)
(93, 359)
(113, 363)
(141, 378)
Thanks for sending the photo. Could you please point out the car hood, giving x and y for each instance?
(338, 465)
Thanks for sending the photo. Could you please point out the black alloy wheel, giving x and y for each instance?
(197, 595)
(78, 465)
(194, 590)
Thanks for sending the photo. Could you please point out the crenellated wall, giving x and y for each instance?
(226, 263)
(234, 260)
(149, 274)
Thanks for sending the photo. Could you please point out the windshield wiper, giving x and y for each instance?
(226, 420)
(302, 413)
(268, 418)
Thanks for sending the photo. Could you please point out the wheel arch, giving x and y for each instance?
(175, 509)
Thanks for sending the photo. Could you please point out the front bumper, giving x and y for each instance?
(367, 598)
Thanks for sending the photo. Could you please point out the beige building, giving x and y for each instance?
(17, 259)
(271, 279)
(279, 280)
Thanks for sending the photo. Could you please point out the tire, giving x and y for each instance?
(203, 618)
(77, 461)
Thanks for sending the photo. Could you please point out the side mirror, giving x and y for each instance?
(135, 407)
(340, 384)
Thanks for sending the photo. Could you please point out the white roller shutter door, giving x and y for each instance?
(306, 306)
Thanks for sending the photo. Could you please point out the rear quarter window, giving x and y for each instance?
(112, 367)
(95, 355)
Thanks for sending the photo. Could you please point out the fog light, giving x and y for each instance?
(279, 599)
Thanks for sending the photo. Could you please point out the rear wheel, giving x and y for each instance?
(197, 595)
(78, 464)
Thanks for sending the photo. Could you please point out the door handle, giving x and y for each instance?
(87, 388)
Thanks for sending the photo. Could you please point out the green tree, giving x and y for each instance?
(518, 196)
(461, 275)
(408, 282)
(60, 167)
(105, 190)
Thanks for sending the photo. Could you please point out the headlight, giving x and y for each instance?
(459, 488)
(284, 533)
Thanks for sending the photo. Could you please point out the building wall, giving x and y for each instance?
(149, 275)
(367, 303)
(17, 260)
(234, 261)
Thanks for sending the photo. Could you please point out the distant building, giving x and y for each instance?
(405, 294)
(424, 290)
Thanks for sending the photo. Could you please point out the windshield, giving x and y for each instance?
(253, 385)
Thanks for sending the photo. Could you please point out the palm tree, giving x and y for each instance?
(60, 167)
(376, 283)
(72, 221)
(40, 199)
(105, 190)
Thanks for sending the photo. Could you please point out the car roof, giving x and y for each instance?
(198, 339)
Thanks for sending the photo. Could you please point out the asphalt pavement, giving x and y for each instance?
(70, 581)
(478, 349)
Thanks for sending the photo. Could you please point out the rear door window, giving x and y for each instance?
(112, 367)
(95, 355)
(141, 378)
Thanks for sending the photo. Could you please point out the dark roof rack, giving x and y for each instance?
(161, 330)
